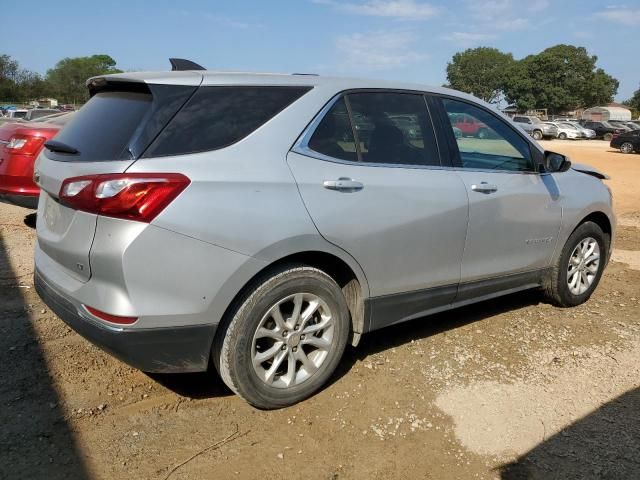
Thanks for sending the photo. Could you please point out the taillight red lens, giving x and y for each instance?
(111, 318)
(25, 144)
(132, 196)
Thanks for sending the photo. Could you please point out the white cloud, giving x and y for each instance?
(398, 9)
(379, 50)
(622, 15)
(468, 39)
(502, 15)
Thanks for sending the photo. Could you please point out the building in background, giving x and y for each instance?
(613, 111)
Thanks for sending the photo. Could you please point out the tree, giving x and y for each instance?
(480, 72)
(634, 103)
(8, 72)
(17, 84)
(560, 78)
(67, 79)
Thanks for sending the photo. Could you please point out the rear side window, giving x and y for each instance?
(393, 128)
(104, 126)
(216, 117)
(334, 136)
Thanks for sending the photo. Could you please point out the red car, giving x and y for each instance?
(20, 144)
(470, 126)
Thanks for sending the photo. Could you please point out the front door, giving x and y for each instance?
(514, 212)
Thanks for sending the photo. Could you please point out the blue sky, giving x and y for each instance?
(408, 40)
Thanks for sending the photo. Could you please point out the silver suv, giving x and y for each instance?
(264, 222)
(536, 127)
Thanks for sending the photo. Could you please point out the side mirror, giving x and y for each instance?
(555, 162)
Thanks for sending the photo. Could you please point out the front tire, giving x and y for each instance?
(285, 338)
(537, 135)
(577, 272)
(608, 137)
(626, 147)
(562, 136)
(483, 134)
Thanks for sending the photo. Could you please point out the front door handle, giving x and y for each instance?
(484, 187)
(343, 184)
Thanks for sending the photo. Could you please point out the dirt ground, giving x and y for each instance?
(512, 388)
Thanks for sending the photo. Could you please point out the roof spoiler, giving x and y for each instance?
(181, 64)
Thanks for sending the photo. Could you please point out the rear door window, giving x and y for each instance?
(393, 128)
(334, 136)
(218, 116)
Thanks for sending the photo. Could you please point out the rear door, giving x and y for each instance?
(109, 133)
(387, 202)
(514, 211)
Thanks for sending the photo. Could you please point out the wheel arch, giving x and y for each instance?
(346, 273)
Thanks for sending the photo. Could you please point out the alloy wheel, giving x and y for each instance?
(292, 340)
(583, 266)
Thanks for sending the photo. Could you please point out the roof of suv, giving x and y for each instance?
(208, 77)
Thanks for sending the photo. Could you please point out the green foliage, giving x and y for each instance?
(68, 78)
(560, 78)
(17, 84)
(480, 72)
(65, 82)
(634, 103)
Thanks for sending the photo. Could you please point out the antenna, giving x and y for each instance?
(180, 64)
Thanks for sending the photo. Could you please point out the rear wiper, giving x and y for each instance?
(60, 147)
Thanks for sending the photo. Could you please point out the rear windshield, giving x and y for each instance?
(104, 126)
(216, 117)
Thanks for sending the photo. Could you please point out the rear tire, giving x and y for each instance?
(579, 268)
(537, 135)
(562, 136)
(608, 136)
(626, 147)
(285, 337)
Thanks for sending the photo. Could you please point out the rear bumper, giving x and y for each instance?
(160, 350)
(26, 201)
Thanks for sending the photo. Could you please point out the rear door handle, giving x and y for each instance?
(343, 184)
(484, 187)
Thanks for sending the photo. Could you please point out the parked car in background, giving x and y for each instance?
(603, 130)
(290, 237)
(469, 126)
(16, 113)
(566, 130)
(20, 144)
(627, 142)
(536, 127)
(37, 113)
(620, 124)
(633, 124)
(12, 116)
(585, 132)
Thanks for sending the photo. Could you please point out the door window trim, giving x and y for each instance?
(301, 145)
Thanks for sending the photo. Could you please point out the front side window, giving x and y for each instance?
(393, 128)
(499, 147)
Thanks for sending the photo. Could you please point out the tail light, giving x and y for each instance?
(131, 196)
(25, 144)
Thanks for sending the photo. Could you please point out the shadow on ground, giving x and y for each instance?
(35, 439)
(604, 445)
(209, 384)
